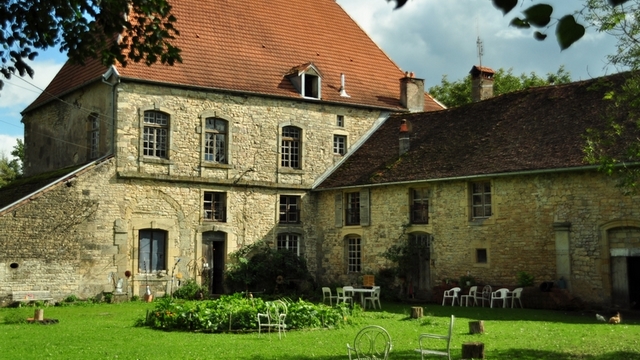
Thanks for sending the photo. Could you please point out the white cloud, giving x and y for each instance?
(21, 91)
(7, 143)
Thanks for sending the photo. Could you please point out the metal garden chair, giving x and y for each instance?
(372, 342)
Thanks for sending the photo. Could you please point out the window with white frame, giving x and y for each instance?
(289, 209)
(354, 254)
(290, 147)
(339, 144)
(216, 140)
(481, 200)
(419, 206)
(215, 206)
(152, 248)
(94, 135)
(290, 242)
(155, 134)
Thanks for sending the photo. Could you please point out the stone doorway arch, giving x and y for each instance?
(621, 262)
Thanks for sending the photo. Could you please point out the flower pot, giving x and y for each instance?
(148, 297)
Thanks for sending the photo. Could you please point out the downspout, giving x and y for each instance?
(112, 72)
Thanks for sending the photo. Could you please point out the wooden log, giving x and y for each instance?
(476, 327)
(473, 350)
(38, 315)
(416, 312)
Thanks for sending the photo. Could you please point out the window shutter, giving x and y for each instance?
(364, 207)
(338, 206)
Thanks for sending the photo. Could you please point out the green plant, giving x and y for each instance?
(71, 298)
(467, 278)
(524, 279)
(190, 290)
(135, 298)
(107, 297)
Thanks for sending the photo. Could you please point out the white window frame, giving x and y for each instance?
(290, 242)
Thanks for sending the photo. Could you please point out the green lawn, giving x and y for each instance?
(107, 331)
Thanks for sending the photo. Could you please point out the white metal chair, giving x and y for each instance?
(274, 318)
(451, 294)
(500, 294)
(326, 294)
(372, 342)
(482, 296)
(428, 350)
(470, 296)
(342, 296)
(516, 294)
(375, 297)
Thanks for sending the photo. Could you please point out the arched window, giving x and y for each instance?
(152, 249)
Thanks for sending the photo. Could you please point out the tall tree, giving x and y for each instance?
(86, 29)
(9, 170)
(458, 92)
(18, 154)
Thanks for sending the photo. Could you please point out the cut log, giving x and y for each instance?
(38, 315)
(416, 312)
(476, 327)
(473, 350)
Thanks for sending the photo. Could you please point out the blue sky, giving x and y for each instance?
(432, 38)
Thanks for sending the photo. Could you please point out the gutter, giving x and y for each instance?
(467, 177)
(376, 125)
(105, 79)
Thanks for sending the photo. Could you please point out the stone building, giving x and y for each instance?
(163, 171)
(489, 189)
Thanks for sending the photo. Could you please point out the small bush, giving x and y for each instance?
(71, 298)
(525, 279)
(190, 291)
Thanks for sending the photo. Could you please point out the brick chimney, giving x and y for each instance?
(412, 93)
(481, 83)
(404, 137)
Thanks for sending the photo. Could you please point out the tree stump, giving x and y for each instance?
(38, 315)
(476, 327)
(416, 312)
(473, 350)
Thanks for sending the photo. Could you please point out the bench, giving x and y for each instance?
(29, 296)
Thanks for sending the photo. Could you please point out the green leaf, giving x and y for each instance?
(539, 15)
(505, 5)
(617, 2)
(539, 36)
(568, 31)
(519, 23)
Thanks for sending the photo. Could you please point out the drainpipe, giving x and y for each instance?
(112, 72)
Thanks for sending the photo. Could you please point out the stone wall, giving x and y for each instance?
(519, 236)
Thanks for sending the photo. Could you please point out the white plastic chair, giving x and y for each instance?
(326, 294)
(375, 297)
(274, 318)
(428, 350)
(372, 342)
(342, 296)
(482, 296)
(451, 294)
(516, 294)
(500, 294)
(470, 296)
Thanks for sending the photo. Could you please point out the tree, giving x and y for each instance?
(458, 92)
(18, 153)
(86, 29)
(568, 30)
(9, 170)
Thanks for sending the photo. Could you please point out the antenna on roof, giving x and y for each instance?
(480, 50)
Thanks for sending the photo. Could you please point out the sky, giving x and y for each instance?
(431, 38)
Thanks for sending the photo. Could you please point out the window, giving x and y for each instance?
(340, 120)
(419, 206)
(352, 210)
(215, 206)
(420, 245)
(289, 209)
(481, 256)
(339, 144)
(481, 200)
(94, 136)
(215, 140)
(290, 149)
(152, 250)
(289, 242)
(354, 254)
(311, 86)
(156, 130)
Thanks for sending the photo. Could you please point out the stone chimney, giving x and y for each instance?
(481, 83)
(412, 93)
(404, 137)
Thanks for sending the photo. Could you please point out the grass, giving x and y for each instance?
(107, 331)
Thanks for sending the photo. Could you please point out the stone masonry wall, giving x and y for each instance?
(518, 237)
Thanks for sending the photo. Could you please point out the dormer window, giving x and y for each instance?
(307, 80)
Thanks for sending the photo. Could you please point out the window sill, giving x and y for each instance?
(482, 221)
(215, 165)
(284, 170)
(152, 160)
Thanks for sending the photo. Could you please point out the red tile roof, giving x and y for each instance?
(250, 45)
(540, 128)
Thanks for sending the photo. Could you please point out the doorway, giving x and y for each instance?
(633, 270)
(214, 251)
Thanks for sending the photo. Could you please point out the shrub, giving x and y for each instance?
(71, 298)
(524, 279)
(190, 291)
